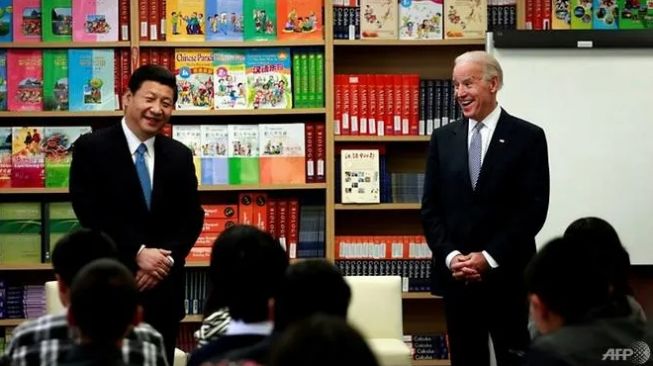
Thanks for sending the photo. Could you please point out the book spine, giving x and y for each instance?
(123, 19)
(143, 19)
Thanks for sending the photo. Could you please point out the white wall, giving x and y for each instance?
(596, 108)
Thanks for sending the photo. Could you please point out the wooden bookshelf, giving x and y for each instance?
(430, 363)
(227, 44)
(196, 318)
(249, 112)
(26, 267)
(419, 296)
(263, 187)
(377, 206)
(66, 45)
(60, 114)
(409, 43)
(382, 138)
(33, 190)
(11, 322)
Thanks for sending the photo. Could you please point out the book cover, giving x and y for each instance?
(420, 19)
(57, 146)
(230, 79)
(283, 153)
(27, 21)
(268, 78)
(260, 20)
(3, 80)
(225, 20)
(92, 85)
(243, 154)
(214, 157)
(55, 80)
(5, 157)
(605, 14)
(27, 159)
(581, 14)
(635, 14)
(194, 73)
(379, 19)
(299, 19)
(20, 233)
(25, 80)
(360, 176)
(465, 19)
(61, 221)
(561, 17)
(190, 135)
(185, 20)
(6, 21)
(95, 21)
(57, 20)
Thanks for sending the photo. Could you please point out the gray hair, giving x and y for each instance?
(491, 67)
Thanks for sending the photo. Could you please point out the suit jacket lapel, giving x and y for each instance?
(125, 167)
(160, 169)
(460, 143)
(494, 154)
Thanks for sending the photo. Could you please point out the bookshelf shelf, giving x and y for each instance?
(66, 114)
(250, 112)
(258, 187)
(219, 44)
(419, 296)
(11, 322)
(26, 267)
(42, 45)
(197, 264)
(378, 206)
(398, 42)
(197, 318)
(430, 362)
(382, 138)
(33, 190)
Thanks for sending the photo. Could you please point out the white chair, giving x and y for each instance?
(376, 311)
(53, 305)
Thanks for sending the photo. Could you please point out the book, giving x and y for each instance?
(95, 21)
(268, 78)
(57, 20)
(465, 19)
(605, 14)
(635, 14)
(57, 147)
(243, 154)
(213, 156)
(3, 80)
(581, 14)
(6, 23)
(55, 80)
(561, 17)
(27, 21)
(420, 19)
(194, 73)
(27, 159)
(260, 20)
(185, 20)
(25, 80)
(61, 221)
(20, 233)
(299, 19)
(379, 19)
(282, 153)
(225, 20)
(91, 86)
(360, 176)
(230, 79)
(5, 157)
(190, 135)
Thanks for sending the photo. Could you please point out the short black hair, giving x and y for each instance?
(322, 340)
(103, 301)
(156, 73)
(246, 269)
(77, 249)
(310, 287)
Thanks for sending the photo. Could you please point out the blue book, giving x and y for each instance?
(224, 20)
(3, 80)
(91, 80)
(6, 33)
(214, 159)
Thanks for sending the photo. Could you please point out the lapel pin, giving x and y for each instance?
(502, 141)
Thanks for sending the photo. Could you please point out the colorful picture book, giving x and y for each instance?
(213, 154)
(92, 85)
(6, 21)
(230, 79)
(57, 20)
(194, 73)
(465, 19)
(190, 135)
(25, 80)
(243, 154)
(283, 153)
(225, 20)
(57, 147)
(420, 19)
(5, 157)
(27, 20)
(95, 20)
(378, 19)
(27, 159)
(186, 20)
(360, 176)
(635, 14)
(20, 232)
(268, 78)
(3, 80)
(299, 19)
(260, 20)
(55, 80)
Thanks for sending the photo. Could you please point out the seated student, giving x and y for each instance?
(246, 269)
(104, 308)
(49, 337)
(575, 307)
(312, 286)
(322, 340)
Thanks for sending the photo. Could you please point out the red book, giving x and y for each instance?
(260, 211)
(282, 209)
(337, 128)
(217, 225)
(143, 16)
(371, 104)
(165, 59)
(125, 69)
(397, 108)
(155, 56)
(153, 20)
(381, 121)
(414, 105)
(123, 19)
(389, 96)
(293, 227)
(345, 128)
(117, 77)
(162, 20)
(167, 131)
(246, 208)
(273, 227)
(320, 153)
(406, 104)
(145, 56)
(199, 254)
(220, 212)
(363, 104)
(352, 83)
(309, 140)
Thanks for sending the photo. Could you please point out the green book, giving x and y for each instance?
(319, 80)
(635, 14)
(581, 14)
(260, 20)
(297, 77)
(312, 76)
(58, 151)
(55, 80)
(303, 65)
(20, 233)
(243, 154)
(61, 221)
(57, 20)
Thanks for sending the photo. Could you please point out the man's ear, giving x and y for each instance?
(126, 98)
(494, 84)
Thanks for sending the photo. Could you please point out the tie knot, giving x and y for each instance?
(142, 149)
(479, 126)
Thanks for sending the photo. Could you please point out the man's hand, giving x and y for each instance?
(469, 267)
(154, 262)
(145, 281)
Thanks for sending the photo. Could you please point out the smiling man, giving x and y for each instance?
(140, 188)
(486, 195)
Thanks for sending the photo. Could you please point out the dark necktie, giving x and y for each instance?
(143, 174)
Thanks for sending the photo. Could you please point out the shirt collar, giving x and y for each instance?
(133, 141)
(238, 327)
(490, 120)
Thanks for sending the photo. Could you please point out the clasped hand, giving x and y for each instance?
(154, 265)
(469, 267)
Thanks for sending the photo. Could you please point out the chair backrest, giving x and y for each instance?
(375, 307)
(53, 304)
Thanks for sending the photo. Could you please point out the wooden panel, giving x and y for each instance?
(385, 222)
(424, 316)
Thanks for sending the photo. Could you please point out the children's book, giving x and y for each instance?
(57, 146)
(581, 14)
(190, 135)
(283, 153)
(268, 78)
(3, 80)
(420, 19)
(92, 84)
(6, 17)
(61, 221)
(359, 179)
(25, 80)
(230, 79)
(55, 80)
(260, 20)
(465, 19)
(57, 20)
(299, 19)
(20, 233)
(243, 154)
(27, 159)
(224, 20)
(635, 14)
(214, 157)
(561, 17)
(27, 21)
(185, 20)
(194, 73)
(95, 20)
(605, 14)
(379, 19)
(5, 157)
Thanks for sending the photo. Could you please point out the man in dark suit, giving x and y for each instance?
(140, 188)
(486, 195)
